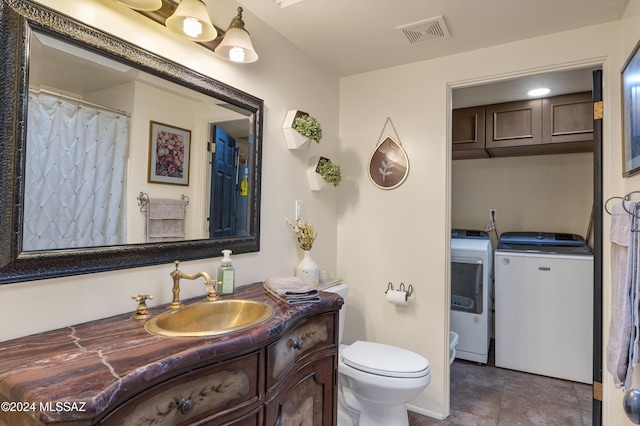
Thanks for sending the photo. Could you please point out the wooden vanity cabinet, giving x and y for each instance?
(281, 372)
(302, 374)
(289, 382)
(308, 399)
(225, 389)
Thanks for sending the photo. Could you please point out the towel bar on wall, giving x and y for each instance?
(143, 201)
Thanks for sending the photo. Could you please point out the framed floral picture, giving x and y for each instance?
(169, 149)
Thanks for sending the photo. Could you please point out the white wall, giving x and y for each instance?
(285, 79)
(616, 185)
(403, 235)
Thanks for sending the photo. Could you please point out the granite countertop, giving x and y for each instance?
(89, 366)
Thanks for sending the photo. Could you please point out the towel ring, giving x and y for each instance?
(627, 197)
(606, 203)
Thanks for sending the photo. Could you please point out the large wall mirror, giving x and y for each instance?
(114, 157)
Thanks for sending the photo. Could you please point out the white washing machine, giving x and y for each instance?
(544, 305)
(471, 280)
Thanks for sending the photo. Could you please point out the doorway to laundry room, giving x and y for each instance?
(525, 176)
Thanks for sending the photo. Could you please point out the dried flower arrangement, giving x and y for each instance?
(304, 232)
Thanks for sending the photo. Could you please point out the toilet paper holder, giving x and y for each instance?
(408, 290)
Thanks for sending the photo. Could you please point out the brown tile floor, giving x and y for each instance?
(486, 395)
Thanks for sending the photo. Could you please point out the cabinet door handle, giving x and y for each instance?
(297, 344)
(185, 406)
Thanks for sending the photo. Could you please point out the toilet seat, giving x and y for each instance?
(385, 360)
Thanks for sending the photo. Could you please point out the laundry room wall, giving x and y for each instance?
(549, 193)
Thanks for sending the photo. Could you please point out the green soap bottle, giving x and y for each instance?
(226, 274)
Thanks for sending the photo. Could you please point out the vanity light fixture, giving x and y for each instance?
(541, 91)
(191, 21)
(147, 5)
(236, 45)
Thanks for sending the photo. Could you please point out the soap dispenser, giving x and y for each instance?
(226, 274)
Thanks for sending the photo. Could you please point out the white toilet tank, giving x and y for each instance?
(341, 290)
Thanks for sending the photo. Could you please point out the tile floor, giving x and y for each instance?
(486, 395)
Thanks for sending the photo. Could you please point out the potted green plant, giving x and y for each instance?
(308, 126)
(329, 171)
(322, 171)
(299, 128)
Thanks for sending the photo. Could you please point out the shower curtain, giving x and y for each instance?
(74, 175)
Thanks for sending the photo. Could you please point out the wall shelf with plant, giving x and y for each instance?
(321, 172)
(299, 128)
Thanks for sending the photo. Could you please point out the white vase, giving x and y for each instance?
(307, 269)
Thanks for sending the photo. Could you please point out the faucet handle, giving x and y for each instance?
(212, 292)
(142, 312)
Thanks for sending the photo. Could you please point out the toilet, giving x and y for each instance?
(376, 381)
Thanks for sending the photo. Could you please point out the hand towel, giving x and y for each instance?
(291, 290)
(292, 300)
(165, 208)
(290, 286)
(165, 219)
(620, 324)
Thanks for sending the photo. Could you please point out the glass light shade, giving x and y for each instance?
(148, 5)
(191, 21)
(236, 46)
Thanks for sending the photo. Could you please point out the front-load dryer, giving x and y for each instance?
(471, 294)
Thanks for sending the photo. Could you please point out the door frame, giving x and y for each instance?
(597, 94)
(598, 202)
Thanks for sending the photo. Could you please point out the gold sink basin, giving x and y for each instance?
(210, 318)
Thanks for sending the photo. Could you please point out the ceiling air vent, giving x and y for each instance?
(424, 31)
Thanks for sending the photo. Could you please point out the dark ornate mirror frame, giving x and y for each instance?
(17, 18)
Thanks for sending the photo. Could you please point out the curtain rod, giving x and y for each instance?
(79, 101)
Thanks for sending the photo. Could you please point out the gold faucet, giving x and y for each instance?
(210, 285)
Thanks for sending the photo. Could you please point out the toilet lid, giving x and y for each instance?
(385, 360)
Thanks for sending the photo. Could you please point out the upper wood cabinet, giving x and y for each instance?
(556, 125)
(568, 119)
(467, 133)
(514, 124)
